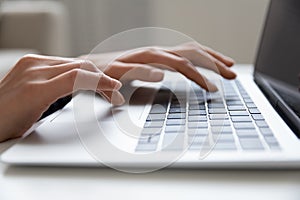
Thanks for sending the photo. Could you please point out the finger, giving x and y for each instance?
(78, 79)
(186, 68)
(114, 97)
(49, 60)
(224, 70)
(55, 70)
(167, 61)
(134, 71)
(203, 59)
(224, 59)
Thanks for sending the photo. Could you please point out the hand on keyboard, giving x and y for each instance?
(146, 63)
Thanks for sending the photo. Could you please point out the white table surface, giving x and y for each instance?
(99, 183)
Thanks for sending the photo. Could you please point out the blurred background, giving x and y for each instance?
(75, 27)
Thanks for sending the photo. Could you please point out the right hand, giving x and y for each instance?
(146, 63)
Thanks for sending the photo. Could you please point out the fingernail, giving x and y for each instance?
(156, 75)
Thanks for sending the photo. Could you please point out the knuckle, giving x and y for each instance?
(194, 46)
(26, 62)
(153, 51)
(28, 58)
(183, 61)
(86, 64)
(72, 75)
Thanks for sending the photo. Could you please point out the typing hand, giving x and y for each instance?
(36, 82)
(146, 63)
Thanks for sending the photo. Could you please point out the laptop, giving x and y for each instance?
(251, 122)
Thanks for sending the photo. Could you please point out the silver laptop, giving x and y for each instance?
(251, 122)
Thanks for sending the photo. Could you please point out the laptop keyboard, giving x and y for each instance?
(189, 117)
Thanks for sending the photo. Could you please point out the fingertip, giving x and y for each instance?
(156, 75)
(111, 83)
(229, 74)
(211, 87)
(229, 62)
(208, 86)
(117, 99)
(118, 84)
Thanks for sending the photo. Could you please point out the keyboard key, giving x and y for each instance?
(156, 117)
(223, 138)
(197, 107)
(251, 144)
(266, 131)
(234, 102)
(231, 108)
(241, 119)
(197, 112)
(216, 105)
(250, 105)
(174, 129)
(221, 130)
(175, 122)
(177, 110)
(231, 97)
(217, 111)
(197, 118)
(243, 125)
(245, 96)
(262, 124)
(257, 117)
(219, 123)
(238, 113)
(248, 100)
(154, 124)
(176, 116)
(254, 111)
(218, 116)
(199, 131)
(151, 131)
(247, 133)
(193, 125)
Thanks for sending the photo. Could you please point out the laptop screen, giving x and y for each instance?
(278, 58)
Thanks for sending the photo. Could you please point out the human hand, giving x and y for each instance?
(36, 82)
(146, 63)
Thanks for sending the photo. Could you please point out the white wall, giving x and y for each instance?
(231, 26)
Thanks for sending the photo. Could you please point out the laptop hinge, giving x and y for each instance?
(279, 105)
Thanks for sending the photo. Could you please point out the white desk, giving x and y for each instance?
(92, 183)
